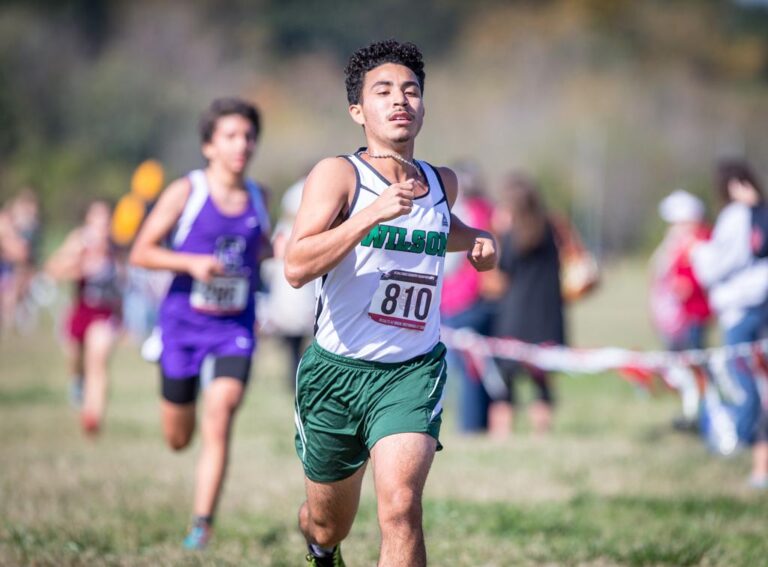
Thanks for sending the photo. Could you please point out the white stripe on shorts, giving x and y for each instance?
(439, 406)
(297, 414)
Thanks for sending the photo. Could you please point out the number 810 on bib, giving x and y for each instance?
(403, 299)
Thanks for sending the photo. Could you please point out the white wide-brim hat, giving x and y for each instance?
(681, 206)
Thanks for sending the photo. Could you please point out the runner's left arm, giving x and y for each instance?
(479, 244)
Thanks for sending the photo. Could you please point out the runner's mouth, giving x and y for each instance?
(401, 117)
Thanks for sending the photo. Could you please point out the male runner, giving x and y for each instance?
(374, 226)
(218, 226)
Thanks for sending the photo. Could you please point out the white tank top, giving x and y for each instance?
(382, 301)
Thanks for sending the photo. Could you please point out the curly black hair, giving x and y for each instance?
(379, 53)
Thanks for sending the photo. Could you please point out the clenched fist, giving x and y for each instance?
(203, 267)
(483, 253)
(396, 200)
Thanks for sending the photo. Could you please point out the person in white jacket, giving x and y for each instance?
(290, 313)
(738, 292)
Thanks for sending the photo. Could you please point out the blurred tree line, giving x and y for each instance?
(610, 103)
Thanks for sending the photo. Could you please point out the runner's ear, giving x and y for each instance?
(356, 112)
(207, 151)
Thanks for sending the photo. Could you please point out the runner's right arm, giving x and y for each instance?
(148, 250)
(13, 247)
(319, 240)
(66, 262)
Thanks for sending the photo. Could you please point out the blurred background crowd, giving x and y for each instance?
(696, 271)
(580, 132)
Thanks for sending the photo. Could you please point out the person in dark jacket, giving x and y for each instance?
(531, 308)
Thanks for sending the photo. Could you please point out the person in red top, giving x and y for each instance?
(679, 306)
(87, 259)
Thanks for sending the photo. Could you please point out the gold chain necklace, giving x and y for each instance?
(395, 157)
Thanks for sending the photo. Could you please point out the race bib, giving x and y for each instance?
(403, 299)
(224, 295)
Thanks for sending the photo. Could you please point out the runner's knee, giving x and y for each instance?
(400, 507)
(178, 431)
(178, 440)
(99, 339)
(325, 530)
(327, 534)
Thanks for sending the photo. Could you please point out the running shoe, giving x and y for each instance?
(90, 424)
(198, 537)
(333, 560)
(758, 482)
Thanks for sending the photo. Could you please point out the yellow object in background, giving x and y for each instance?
(126, 219)
(147, 180)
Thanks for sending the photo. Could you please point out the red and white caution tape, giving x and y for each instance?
(558, 358)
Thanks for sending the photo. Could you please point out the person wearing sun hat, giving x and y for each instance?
(679, 304)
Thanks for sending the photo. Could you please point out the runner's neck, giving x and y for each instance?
(223, 181)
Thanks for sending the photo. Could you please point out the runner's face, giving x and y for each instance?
(390, 108)
(97, 222)
(98, 215)
(232, 143)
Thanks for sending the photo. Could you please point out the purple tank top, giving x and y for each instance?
(193, 312)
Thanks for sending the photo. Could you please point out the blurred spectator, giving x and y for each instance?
(13, 249)
(25, 216)
(289, 312)
(531, 308)
(144, 289)
(87, 258)
(679, 305)
(738, 290)
(144, 292)
(21, 228)
(468, 299)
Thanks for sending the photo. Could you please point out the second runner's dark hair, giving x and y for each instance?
(227, 106)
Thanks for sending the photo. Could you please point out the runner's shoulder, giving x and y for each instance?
(332, 173)
(179, 188)
(175, 195)
(336, 166)
(450, 182)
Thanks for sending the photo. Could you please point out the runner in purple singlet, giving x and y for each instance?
(216, 223)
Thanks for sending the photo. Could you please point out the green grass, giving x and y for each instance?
(613, 485)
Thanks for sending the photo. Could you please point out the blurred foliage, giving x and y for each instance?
(610, 103)
(342, 26)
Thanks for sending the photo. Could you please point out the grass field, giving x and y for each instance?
(612, 486)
